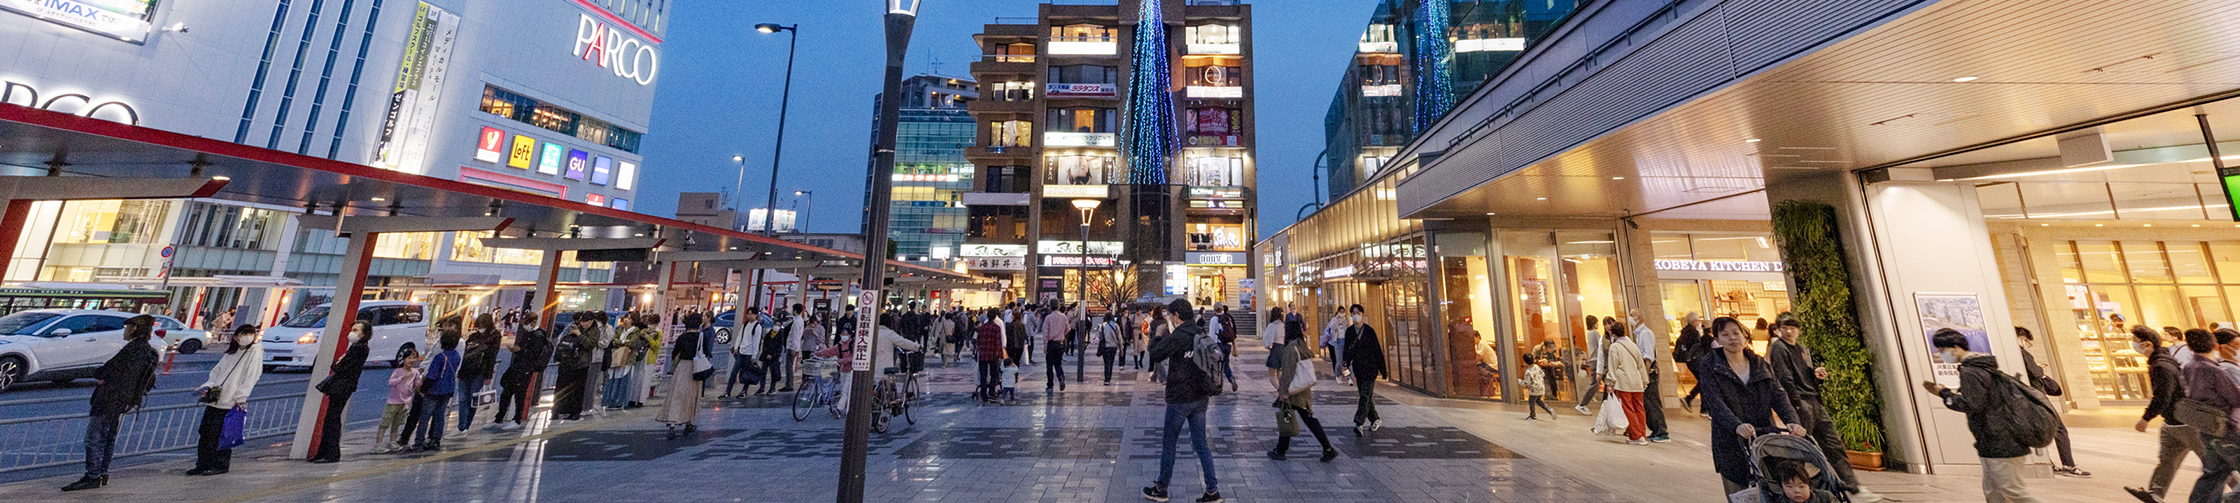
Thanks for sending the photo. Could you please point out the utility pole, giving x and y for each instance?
(901, 17)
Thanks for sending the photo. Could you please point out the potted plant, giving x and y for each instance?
(1812, 250)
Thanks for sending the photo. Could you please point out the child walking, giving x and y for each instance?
(1535, 386)
(402, 383)
(1010, 380)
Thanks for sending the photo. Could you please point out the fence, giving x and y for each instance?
(40, 442)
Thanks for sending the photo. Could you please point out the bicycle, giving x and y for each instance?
(896, 398)
(822, 389)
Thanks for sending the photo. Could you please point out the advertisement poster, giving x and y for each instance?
(524, 152)
(126, 20)
(486, 149)
(402, 144)
(550, 163)
(1958, 311)
(602, 169)
(577, 160)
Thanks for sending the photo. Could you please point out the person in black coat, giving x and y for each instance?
(573, 352)
(1741, 403)
(532, 351)
(123, 382)
(337, 387)
(1366, 358)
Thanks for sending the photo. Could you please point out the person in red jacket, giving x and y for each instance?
(988, 350)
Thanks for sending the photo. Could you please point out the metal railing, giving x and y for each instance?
(40, 442)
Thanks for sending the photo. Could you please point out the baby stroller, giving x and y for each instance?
(1769, 450)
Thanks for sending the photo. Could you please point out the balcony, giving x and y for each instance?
(1082, 46)
(1214, 48)
(1003, 64)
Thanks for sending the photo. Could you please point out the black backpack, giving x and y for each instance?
(569, 352)
(2030, 416)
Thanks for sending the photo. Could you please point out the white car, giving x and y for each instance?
(398, 327)
(60, 344)
(179, 338)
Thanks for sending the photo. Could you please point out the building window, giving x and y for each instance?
(1014, 53)
(112, 222)
(1212, 127)
(1213, 76)
(1083, 74)
(1009, 179)
(1082, 120)
(1213, 170)
(1011, 91)
(1084, 39)
(1216, 237)
(1079, 168)
(467, 247)
(1214, 39)
(1011, 134)
(524, 109)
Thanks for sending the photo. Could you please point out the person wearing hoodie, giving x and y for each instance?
(1997, 447)
(1743, 399)
(120, 384)
(1188, 390)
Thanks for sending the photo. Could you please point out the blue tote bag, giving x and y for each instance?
(236, 419)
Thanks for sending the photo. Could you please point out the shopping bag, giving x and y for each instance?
(1304, 378)
(702, 369)
(230, 436)
(485, 398)
(1287, 422)
(1611, 420)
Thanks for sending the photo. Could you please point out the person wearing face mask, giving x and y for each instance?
(1652, 401)
(1997, 447)
(228, 388)
(1743, 399)
(2165, 389)
(1800, 380)
(337, 387)
(2037, 375)
(1366, 357)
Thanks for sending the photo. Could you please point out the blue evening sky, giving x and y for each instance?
(718, 95)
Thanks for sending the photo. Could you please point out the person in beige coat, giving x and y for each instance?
(1626, 377)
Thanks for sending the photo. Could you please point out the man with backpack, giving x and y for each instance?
(1190, 385)
(1228, 334)
(2210, 400)
(2165, 389)
(2007, 418)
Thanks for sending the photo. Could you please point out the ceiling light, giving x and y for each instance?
(1752, 140)
(2050, 225)
(2099, 225)
(379, 199)
(1617, 178)
(1543, 199)
(1489, 213)
(2148, 225)
(2196, 225)
(1965, 79)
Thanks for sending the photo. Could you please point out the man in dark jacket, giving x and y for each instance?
(1997, 446)
(1366, 358)
(532, 351)
(1800, 381)
(2165, 391)
(1188, 390)
(476, 364)
(2037, 374)
(122, 382)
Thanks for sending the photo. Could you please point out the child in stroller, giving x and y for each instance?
(1789, 469)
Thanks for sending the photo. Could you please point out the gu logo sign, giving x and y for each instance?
(625, 55)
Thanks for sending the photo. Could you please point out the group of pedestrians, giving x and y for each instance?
(2192, 376)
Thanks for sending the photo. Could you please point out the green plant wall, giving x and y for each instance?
(1813, 253)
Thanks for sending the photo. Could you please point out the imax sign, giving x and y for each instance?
(625, 55)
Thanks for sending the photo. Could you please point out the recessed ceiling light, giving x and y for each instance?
(2099, 225)
(1617, 178)
(2045, 225)
(378, 199)
(2149, 225)
(2196, 225)
(1752, 140)
(1489, 213)
(1543, 199)
(1964, 79)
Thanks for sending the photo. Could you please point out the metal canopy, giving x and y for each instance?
(32, 139)
(562, 244)
(1955, 75)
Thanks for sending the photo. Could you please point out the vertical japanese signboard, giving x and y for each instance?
(403, 141)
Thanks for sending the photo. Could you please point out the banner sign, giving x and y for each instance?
(402, 144)
(996, 263)
(1056, 90)
(986, 250)
(867, 318)
(1070, 247)
(126, 20)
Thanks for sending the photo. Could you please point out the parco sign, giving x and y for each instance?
(625, 55)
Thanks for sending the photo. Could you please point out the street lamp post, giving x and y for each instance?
(807, 200)
(1080, 361)
(777, 151)
(855, 446)
(740, 192)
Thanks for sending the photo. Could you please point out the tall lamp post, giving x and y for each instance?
(777, 151)
(1080, 361)
(808, 202)
(855, 446)
(738, 193)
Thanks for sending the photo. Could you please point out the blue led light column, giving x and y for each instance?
(1149, 145)
(1433, 60)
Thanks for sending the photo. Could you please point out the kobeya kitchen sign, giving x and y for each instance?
(614, 49)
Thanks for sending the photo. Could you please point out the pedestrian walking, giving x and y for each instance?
(797, 332)
(1055, 324)
(519, 387)
(1800, 382)
(227, 390)
(689, 378)
(341, 381)
(772, 352)
(404, 384)
(1535, 390)
(1591, 369)
(478, 361)
(1188, 391)
(119, 387)
(2165, 389)
(1294, 403)
(1626, 376)
(1106, 338)
(1998, 447)
(1652, 398)
(1365, 356)
(1334, 339)
(2050, 387)
(1271, 337)
(436, 390)
(573, 353)
(1687, 348)
(1224, 327)
(743, 352)
(988, 355)
(1743, 399)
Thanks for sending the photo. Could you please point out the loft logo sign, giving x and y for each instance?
(17, 93)
(625, 55)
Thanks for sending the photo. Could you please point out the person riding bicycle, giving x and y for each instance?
(881, 355)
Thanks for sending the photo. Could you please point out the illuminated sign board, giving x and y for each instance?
(1177, 279)
(627, 177)
(524, 152)
(620, 204)
(73, 102)
(1337, 272)
(1718, 266)
(625, 55)
(1056, 90)
(126, 20)
(1055, 247)
(1070, 139)
(490, 148)
(577, 160)
(996, 263)
(595, 199)
(1075, 261)
(1076, 191)
(402, 143)
(602, 170)
(983, 250)
(1489, 45)
(550, 163)
(1214, 258)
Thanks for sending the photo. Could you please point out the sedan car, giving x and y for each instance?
(60, 345)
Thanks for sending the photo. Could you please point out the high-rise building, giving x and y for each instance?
(931, 174)
(551, 98)
(1145, 109)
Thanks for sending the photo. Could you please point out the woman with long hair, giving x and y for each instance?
(228, 388)
(339, 384)
(1294, 406)
(1743, 399)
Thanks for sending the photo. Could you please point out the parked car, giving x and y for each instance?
(399, 328)
(60, 345)
(179, 338)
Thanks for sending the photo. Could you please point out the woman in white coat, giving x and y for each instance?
(228, 387)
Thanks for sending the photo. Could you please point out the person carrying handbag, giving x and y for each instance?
(224, 398)
(1107, 335)
(1295, 397)
(689, 369)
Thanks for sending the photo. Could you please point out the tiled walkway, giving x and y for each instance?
(1091, 443)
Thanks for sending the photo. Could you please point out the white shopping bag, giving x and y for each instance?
(1611, 420)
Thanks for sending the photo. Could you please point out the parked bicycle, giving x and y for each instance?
(896, 396)
(822, 389)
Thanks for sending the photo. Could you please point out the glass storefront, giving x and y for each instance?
(2111, 285)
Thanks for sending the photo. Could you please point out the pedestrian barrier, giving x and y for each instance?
(40, 442)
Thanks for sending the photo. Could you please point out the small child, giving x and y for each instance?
(1010, 379)
(403, 382)
(1535, 386)
(1796, 482)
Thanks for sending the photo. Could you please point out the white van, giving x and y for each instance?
(398, 327)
